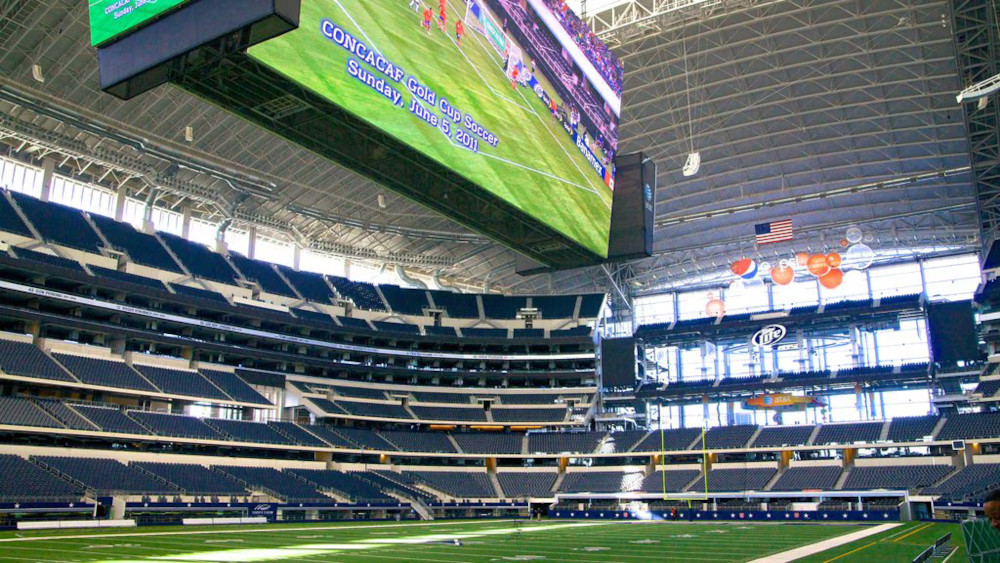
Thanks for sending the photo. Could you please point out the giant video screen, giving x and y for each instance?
(478, 87)
(113, 18)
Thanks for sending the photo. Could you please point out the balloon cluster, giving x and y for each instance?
(827, 268)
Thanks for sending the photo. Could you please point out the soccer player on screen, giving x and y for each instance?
(415, 5)
(459, 31)
(513, 78)
(443, 18)
(428, 15)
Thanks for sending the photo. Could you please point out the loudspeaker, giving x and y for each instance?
(633, 208)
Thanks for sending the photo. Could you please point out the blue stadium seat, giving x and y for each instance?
(312, 286)
(262, 273)
(58, 223)
(199, 260)
(405, 301)
(141, 248)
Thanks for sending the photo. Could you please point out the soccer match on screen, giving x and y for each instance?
(453, 79)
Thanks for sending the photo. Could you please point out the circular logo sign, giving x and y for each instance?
(769, 335)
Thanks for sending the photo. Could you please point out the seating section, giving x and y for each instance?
(22, 412)
(522, 484)
(193, 479)
(180, 382)
(848, 433)
(624, 441)
(560, 442)
(911, 428)
(457, 414)
(780, 436)
(731, 479)
(484, 332)
(397, 483)
(971, 483)
(235, 387)
(397, 328)
(10, 221)
(483, 443)
(175, 425)
(332, 438)
(359, 392)
(601, 482)
(458, 305)
(25, 359)
(971, 426)
(405, 301)
(502, 307)
(674, 481)
(106, 476)
(297, 434)
(455, 398)
(670, 440)
(988, 388)
(312, 286)
(896, 477)
(58, 223)
(555, 306)
(106, 373)
(141, 248)
(435, 442)
(529, 415)
(590, 305)
(199, 293)
(283, 485)
(21, 481)
(808, 478)
(126, 277)
(110, 420)
(348, 485)
(457, 484)
(247, 431)
(66, 415)
(570, 332)
(263, 274)
(380, 410)
(728, 437)
(364, 295)
(364, 438)
(199, 260)
(48, 259)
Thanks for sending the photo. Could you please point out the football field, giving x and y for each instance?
(474, 541)
(534, 164)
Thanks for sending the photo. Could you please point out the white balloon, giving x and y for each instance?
(858, 257)
(854, 235)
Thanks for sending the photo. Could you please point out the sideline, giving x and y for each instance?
(819, 547)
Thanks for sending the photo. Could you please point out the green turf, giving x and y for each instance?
(535, 167)
(899, 544)
(555, 541)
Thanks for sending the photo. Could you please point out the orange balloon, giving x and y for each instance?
(833, 260)
(802, 258)
(782, 275)
(817, 265)
(715, 308)
(844, 243)
(833, 279)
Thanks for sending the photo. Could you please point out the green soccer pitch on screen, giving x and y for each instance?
(448, 79)
(114, 18)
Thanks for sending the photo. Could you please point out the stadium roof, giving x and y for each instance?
(832, 113)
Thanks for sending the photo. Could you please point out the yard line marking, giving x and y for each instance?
(824, 545)
(275, 530)
(920, 529)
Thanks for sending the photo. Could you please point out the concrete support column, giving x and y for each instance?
(48, 172)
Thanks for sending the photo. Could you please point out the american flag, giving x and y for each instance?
(775, 231)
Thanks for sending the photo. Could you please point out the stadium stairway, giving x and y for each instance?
(497, 489)
(937, 428)
(176, 258)
(754, 437)
(815, 432)
(777, 475)
(24, 218)
(558, 482)
(839, 485)
(291, 286)
(883, 435)
(454, 443)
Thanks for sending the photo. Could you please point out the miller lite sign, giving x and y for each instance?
(769, 335)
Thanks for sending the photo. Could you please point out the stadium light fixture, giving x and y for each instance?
(693, 164)
(979, 90)
(189, 134)
(36, 73)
